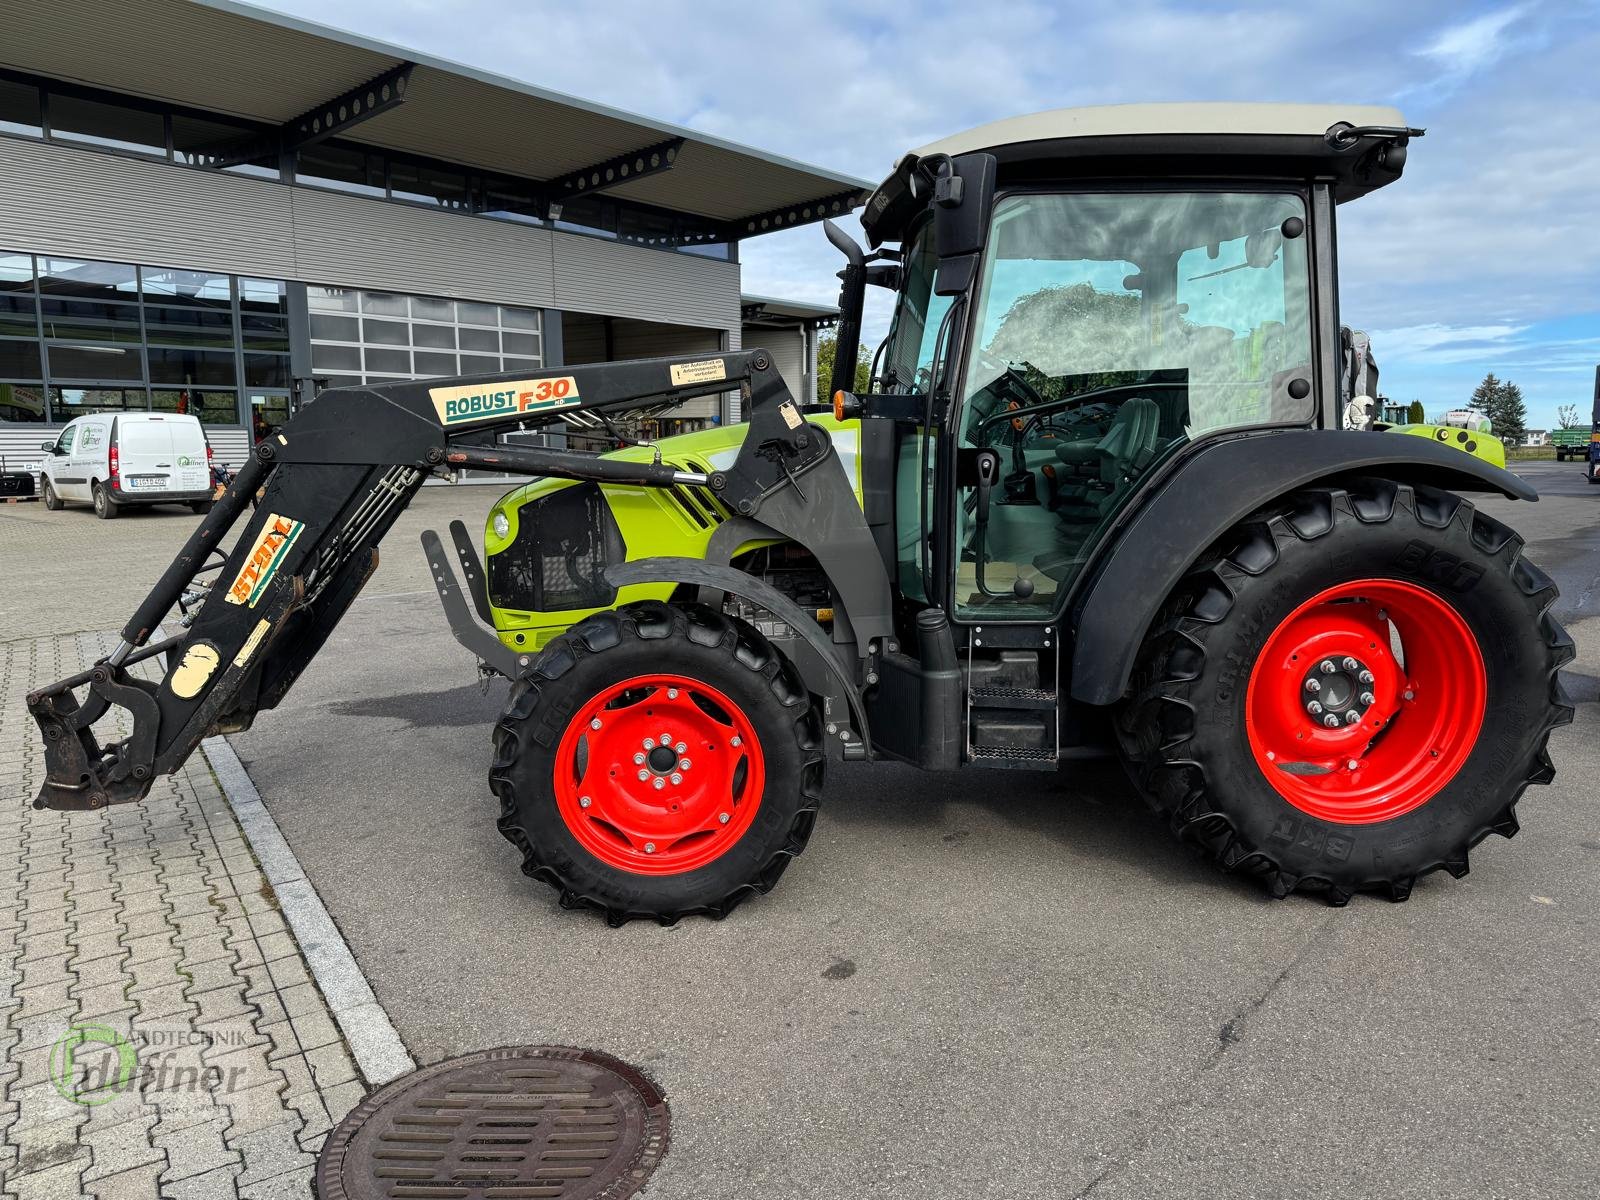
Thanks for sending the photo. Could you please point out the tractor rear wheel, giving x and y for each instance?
(658, 761)
(1352, 690)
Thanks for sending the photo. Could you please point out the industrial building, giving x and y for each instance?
(314, 208)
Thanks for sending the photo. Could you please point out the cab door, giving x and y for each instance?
(89, 457)
(60, 467)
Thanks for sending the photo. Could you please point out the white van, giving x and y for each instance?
(116, 459)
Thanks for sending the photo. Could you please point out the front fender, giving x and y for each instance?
(1213, 488)
(696, 573)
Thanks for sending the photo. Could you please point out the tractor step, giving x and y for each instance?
(1022, 698)
(1013, 717)
(1005, 758)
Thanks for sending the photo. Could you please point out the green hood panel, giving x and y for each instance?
(652, 522)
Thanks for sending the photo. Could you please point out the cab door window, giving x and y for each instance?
(1111, 330)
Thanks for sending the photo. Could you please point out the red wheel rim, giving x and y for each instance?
(659, 775)
(1404, 701)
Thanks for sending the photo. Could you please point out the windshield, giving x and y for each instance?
(1112, 328)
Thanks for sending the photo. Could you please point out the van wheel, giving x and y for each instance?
(104, 506)
(51, 500)
(200, 507)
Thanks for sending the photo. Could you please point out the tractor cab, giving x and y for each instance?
(1082, 296)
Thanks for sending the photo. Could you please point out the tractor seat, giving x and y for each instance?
(1125, 450)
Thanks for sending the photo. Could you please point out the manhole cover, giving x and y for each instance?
(509, 1124)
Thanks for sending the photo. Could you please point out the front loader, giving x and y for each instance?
(1097, 501)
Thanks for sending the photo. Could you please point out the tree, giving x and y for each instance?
(826, 345)
(1483, 396)
(1501, 401)
(1567, 416)
(1415, 415)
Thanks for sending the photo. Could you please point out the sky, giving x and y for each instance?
(1484, 257)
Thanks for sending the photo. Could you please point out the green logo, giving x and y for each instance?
(110, 1074)
(184, 460)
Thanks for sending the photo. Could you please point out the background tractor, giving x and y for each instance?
(1098, 501)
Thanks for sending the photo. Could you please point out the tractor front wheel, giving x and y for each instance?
(1352, 690)
(658, 761)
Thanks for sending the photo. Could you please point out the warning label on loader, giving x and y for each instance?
(266, 556)
(484, 401)
(707, 370)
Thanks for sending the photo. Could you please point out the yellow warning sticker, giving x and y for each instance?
(708, 370)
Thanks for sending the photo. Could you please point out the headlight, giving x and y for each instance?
(501, 524)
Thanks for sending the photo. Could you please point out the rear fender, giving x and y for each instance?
(1212, 489)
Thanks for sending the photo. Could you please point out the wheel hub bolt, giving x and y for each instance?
(1352, 718)
(672, 693)
(1313, 685)
(680, 747)
(658, 783)
(1331, 721)
(684, 764)
(1314, 709)
(649, 847)
(1327, 667)
(677, 778)
(1367, 698)
(1351, 664)
(595, 724)
(1365, 677)
(666, 739)
(1353, 764)
(722, 818)
(649, 743)
(735, 741)
(638, 759)
(584, 802)
(644, 775)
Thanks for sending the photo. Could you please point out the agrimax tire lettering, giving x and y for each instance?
(1439, 566)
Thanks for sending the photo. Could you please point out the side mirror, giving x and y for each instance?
(963, 194)
(50, 446)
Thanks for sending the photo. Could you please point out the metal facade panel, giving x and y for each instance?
(788, 350)
(59, 200)
(359, 242)
(682, 289)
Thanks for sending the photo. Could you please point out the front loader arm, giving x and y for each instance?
(317, 498)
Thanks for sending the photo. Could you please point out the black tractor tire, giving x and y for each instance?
(105, 507)
(51, 500)
(1183, 732)
(690, 641)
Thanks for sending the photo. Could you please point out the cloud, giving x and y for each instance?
(1475, 44)
(1441, 343)
(1493, 225)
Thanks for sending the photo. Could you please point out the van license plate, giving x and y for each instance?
(146, 483)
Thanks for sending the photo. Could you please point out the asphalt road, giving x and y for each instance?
(983, 984)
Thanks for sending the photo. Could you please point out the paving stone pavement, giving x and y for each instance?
(161, 1034)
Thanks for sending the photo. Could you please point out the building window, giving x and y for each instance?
(371, 337)
(20, 110)
(78, 336)
(118, 126)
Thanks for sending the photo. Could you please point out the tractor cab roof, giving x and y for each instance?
(1354, 147)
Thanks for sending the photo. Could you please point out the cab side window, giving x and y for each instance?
(64, 443)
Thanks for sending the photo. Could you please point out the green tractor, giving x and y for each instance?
(1097, 502)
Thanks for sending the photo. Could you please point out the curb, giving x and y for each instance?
(376, 1047)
